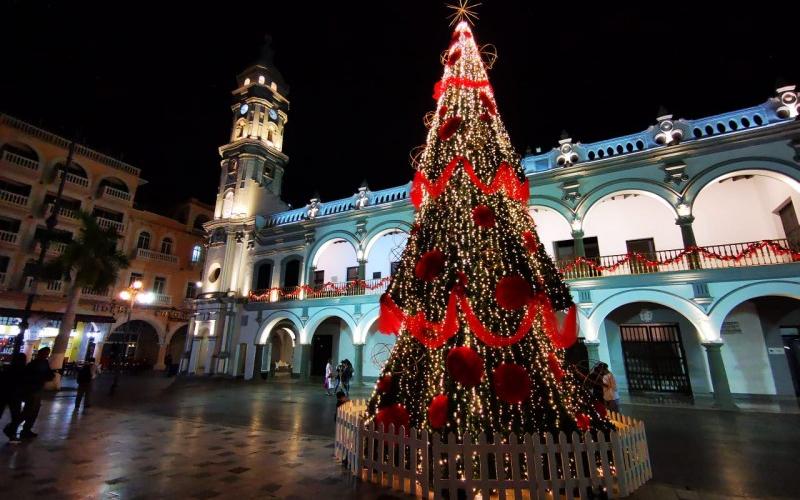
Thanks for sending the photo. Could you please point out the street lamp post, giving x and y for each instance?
(133, 295)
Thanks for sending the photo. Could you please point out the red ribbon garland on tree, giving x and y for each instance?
(504, 180)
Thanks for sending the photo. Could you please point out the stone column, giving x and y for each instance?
(98, 351)
(577, 237)
(719, 378)
(593, 351)
(358, 365)
(362, 269)
(305, 362)
(162, 351)
(687, 234)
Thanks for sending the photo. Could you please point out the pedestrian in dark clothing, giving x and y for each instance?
(37, 373)
(341, 398)
(595, 380)
(12, 392)
(85, 378)
(347, 374)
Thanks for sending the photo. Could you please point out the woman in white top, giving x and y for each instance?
(610, 394)
(328, 383)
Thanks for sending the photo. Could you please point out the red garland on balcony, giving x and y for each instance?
(504, 180)
(319, 290)
(751, 249)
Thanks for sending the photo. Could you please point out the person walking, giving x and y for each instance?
(338, 377)
(37, 373)
(610, 394)
(328, 378)
(86, 376)
(347, 374)
(12, 392)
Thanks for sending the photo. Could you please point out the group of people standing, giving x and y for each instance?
(604, 386)
(22, 385)
(338, 377)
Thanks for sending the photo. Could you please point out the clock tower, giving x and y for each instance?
(253, 161)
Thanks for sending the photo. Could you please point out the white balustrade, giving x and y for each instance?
(20, 161)
(143, 253)
(8, 237)
(110, 192)
(77, 180)
(162, 299)
(13, 198)
(109, 224)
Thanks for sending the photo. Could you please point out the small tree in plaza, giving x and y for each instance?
(89, 261)
(475, 296)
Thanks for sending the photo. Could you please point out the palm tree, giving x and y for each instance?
(90, 261)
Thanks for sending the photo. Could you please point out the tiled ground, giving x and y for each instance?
(212, 438)
(108, 454)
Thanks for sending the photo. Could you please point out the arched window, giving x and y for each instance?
(197, 251)
(144, 241)
(166, 246)
(227, 204)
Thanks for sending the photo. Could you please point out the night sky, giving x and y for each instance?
(151, 83)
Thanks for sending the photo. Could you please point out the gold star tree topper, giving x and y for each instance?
(463, 11)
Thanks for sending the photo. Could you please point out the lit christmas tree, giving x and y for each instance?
(473, 301)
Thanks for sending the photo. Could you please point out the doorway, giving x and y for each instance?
(791, 347)
(321, 352)
(202, 355)
(654, 358)
(241, 359)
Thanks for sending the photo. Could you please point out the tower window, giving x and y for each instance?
(247, 81)
(261, 79)
(273, 86)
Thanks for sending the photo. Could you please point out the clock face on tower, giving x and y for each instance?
(273, 115)
(243, 109)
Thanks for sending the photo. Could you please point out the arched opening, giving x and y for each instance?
(74, 170)
(116, 186)
(654, 351)
(630, 222)
(377, 349)
(291, 272)
(275, 349)
(18, 150)
(554, 232)
(262, 277)
(331, 340)
(762, 346)
(227, 205)
(177, 343)
(335, 262)
(166, 246)
(384, 252)
(134, 344)
(747, 206)
(143, 241)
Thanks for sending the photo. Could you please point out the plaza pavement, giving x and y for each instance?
(215, 438)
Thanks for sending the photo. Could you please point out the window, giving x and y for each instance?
(247, 81)
(197, 251)
(227, 204)
(213, 276)
(261, 79)
(4, 260)
(191, 290)
(144, 241)
(647, 248)
(263, 276)
(376, 275)
(394, 266)
(352, 273)
(159, 285)
(565, 249)
(319, 277)
(135, 277)
(166, 246)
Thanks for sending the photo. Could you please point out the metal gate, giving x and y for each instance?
(654, 358)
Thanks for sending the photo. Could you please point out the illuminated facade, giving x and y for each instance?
(165, 253)
(679, 244)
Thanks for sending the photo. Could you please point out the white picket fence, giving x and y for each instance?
(528, 467)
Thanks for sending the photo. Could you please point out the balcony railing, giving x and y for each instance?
(115, 194)
(53, 248)
(162, 300)
(77, 180)
(21, 161)
(143, 253)
(327, 290)
(13, 198)
(8, 237)
(756, 253)
(109, 224)
(92, 293)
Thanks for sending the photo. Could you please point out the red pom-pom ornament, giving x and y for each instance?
(513, 292)
(531, 242)
(512, 384)
(430, 265)
(582, 422)
(465, 366)
(555, 366)
(483, 216)
(385, 383)
(487, 102)
(437, 411)
(449, 127)
(394, 414)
